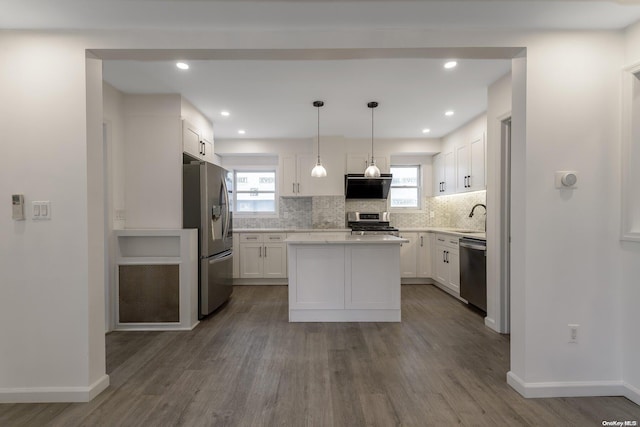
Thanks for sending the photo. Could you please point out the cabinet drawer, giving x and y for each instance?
(273, 237)
(447, 240)
(251, 237)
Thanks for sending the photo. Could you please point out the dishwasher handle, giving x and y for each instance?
(473, 245)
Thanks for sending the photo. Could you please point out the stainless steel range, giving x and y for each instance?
(368, 223)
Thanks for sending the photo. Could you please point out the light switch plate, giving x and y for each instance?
(41, 210)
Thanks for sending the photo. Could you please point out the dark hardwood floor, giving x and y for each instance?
(247, 366)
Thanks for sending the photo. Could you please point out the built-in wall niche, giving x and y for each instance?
(631, 154)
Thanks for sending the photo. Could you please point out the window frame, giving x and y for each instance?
(418, 186)
(255, 214)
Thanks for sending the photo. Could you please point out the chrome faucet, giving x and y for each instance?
(485, 213)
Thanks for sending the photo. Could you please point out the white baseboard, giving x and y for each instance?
(490, 323)
(54, 394)
(567, 388)
(632, 393)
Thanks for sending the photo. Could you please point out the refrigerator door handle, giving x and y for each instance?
(225, 231)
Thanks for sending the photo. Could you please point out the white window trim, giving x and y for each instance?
(411, 209)
(274, 214)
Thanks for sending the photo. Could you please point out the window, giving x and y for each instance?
(405, 187)
(255, 192)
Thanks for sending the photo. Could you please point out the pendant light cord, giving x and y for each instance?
(372, 135)
(318, 134)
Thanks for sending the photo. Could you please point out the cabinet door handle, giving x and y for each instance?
(204, 149)
(265, 251)
(293, 187)
(298, 187)
(446, 257)
(421, 241)
(469, 181)
(260, 252)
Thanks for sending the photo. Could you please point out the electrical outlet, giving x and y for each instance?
(573, 333)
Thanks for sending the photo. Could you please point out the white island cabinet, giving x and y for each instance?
(344, 278)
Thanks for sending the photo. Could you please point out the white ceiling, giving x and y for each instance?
(272, 98)
(305, 14)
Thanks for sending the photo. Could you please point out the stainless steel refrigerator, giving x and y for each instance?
(205, 206)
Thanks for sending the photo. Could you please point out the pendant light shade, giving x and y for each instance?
(372, 171)
(318, 170)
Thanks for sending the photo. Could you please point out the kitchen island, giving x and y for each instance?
(344, 278)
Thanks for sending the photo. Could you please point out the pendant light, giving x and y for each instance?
(318, 170)
(372, 171)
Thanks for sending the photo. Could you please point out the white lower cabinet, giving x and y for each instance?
(416, 255)
(408, 256)
(446, 259)
(424, 250)
(262, 256)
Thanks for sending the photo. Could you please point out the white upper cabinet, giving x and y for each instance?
(477, 174)
(296, 179)
(358, 162)
(295, 173)
(470, 165)
(195, 144)
(444, 173)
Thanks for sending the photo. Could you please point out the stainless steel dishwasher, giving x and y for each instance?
(473, 272)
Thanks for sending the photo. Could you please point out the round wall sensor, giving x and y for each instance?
(569, 179)
(566, 179)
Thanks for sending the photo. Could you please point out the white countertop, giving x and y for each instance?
(454, 231)
(345, 240)
(291, 230)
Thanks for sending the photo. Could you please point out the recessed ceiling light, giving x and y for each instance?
(242, 132)
(426, 130)
(182, 65)
(224, 113)
(448, 113)
(450, 64)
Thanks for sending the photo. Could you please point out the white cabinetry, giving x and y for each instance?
(444, 173)
(262, 256)
(295, 175)
(358, 162)
(195, 144)
(470, 161)
(338, 282)
(447, 262)
(424, 250)
(296, 179)
(408, 255)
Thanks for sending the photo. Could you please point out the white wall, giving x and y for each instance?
(567, 266)
(630, 260)
(498, 109)
(51, 309)
(113, 115)
(570, 243)
(153, 159)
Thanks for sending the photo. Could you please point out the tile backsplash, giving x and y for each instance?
(324, 212)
